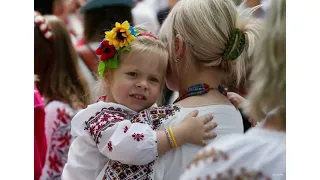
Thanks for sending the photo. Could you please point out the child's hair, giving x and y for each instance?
(98, 20)
(56, 65)
(268, 91)
(206, 27)
(141, 44)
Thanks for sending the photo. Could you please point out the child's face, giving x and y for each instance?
(137, 82)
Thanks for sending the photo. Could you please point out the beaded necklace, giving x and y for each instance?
(199, 89)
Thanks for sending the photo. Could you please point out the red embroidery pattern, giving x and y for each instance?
(59, 145)
(138, 136)
(110, 146)
(54, 163)
(62, 115)
(214, 154)
(104, 119)
(125, 129)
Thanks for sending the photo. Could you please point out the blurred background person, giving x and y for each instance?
(99, 16)
(62, 85)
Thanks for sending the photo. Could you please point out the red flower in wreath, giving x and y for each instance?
(105, 51)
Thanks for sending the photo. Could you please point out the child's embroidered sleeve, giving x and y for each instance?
(119, 139)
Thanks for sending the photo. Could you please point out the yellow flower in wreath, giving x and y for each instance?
(121, 35)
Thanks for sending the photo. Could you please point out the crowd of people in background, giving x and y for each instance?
(206, 107)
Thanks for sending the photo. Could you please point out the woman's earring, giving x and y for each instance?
(177, 60)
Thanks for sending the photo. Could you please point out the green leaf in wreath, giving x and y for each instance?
(127, 48)
(112, 62)
(101, 68)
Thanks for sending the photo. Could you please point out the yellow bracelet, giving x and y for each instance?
(172, 137)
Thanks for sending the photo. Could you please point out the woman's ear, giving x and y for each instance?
(179, 47)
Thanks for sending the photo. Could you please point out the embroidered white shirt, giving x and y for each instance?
(259, 154)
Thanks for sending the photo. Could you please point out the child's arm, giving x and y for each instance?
(135, 142)
(189, 131)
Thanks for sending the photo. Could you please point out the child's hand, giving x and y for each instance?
(236, 99)
(197, 129)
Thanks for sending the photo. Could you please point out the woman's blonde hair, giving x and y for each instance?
(268, 91)
(141, 44)
(206, 27)
(56, 65)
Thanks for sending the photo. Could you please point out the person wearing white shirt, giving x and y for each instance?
(261, 152)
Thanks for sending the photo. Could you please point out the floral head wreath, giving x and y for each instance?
(116, 41)
(40, 22)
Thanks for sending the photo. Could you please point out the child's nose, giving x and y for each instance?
(142, 84)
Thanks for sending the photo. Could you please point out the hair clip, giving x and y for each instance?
(239, 45)
(40, 22)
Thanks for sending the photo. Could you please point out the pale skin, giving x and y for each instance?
(137, 83)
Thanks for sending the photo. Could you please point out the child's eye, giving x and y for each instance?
(154, 80)
(133, 74)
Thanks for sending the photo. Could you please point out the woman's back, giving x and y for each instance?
(171, 165)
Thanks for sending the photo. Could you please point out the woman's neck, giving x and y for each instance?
(210, 76)
(205, 76)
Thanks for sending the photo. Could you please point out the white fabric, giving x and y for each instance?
(259, 150)
(144, 15)
(172, 164)
(87, 155)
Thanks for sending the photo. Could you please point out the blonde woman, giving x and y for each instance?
(261, 152)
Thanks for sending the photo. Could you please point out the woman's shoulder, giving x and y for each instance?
(258, 152)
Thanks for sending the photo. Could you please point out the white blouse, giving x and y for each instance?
(112, 141)
(258, 154)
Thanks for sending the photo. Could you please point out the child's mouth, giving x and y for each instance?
(138, 96)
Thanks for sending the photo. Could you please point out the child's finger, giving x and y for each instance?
(206, 118)
(210, 126)
(194, 113)
(210, 135)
